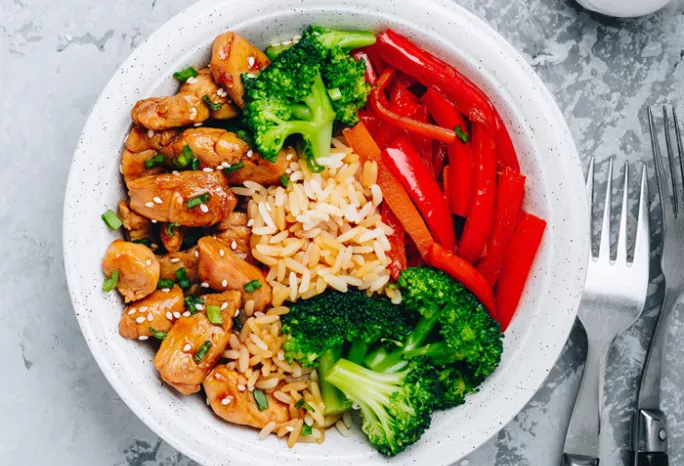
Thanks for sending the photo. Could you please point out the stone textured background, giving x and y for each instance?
(55, 57)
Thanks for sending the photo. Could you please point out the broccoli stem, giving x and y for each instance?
(347, 39)
(334, 400)
(274, 50)
(357, 351)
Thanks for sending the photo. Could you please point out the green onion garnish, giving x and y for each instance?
(146, 241)
(182, 277)
(154, 161)
(306, 430)
(164, 284)
(199, 355)
(159, 335)
(195, 164)
(261, 400)
(250, 287)
(233, 168)
(185, 74)
(214, 315)
(170, 227)
(462, 135)
(335, 94)
(111, 219)
(237, 323)
(213, 106)
(191, 303)
(302, 403)
(185, 158)
(110, 283)
(197, 200)
(284, 180)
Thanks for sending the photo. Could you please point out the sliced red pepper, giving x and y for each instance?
(480, 219)
(381, 110)
(509, 195)
(403, 103)
(517, 265)
(393, 192)
(405, 162)
(460, 169)
(439, 157)
(370, 120)
(397, 252)
(424, 145)
(371, 75)
(429, 70)
(463, 272)
(378, 64)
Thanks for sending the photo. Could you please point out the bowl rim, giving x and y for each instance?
(182, 444)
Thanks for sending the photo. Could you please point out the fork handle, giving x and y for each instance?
(651, 459)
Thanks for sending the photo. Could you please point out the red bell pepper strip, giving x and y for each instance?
(403, 103)
(381, 110)
(378, 65)
(397, 252)
(370, 120)
(480, 219)
(463, 272)
(403, 159)
(439, 157)
(424, 145)
(402, 54)
(517, 265)
(460, 152)
(393, 192)
(371, 75)
(509, 195)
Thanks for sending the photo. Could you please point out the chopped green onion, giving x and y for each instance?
(195, 164)
(233, 168)
(302, 403)
(199, 355)
(170, 227)
(306, 430)
(191, 302)
(111, 219)
(197, 200)
(214, 315)
(335, 94)
(159, 335)
(250, 287)
(182, 277)
(185, 158)
(154, 161)
(284, 180)
(462, 135)
(237, 323)
(213, 106)
(261, 400)
(164, 284)
(146, 241)
(110, 283)
(185, 74)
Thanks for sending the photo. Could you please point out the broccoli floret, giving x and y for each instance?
(453, 384)
(453, 326)
(346, 40)
(396, 406)
(322, 329)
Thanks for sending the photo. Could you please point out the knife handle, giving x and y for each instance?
(652, 459)
(580, 460)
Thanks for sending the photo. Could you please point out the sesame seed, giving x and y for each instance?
(148, 262)
(154, 221)
(199, 307)
(143, 308)
(208, 170)
(250, 222)
(132, 311)
(250, 61)
(241, 387)
(222, 252)
(191, 80)
(150, 317)
(204, 208)
(288, 170)
(233, 245)
(150, 133)
(154, 245)
(224, 305)
(289, 157)
(226, 165)
(121, 169)
(226, 401)
(224, 283)
(165, 290)
(143, 337)
(187, 314)
(204, 285)
(149, 204)
(140, 319)
(250, 153)
(157, 200)
(176, 172)
(237, 313)
(173, 260)
(196, 253)
(187, 347)
(169, 316)
(289, 428)
(197, 125)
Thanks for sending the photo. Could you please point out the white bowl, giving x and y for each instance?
(555, 190)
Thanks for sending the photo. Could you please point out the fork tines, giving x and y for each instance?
(670, 198)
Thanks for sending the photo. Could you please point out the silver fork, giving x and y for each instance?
(614, 296)
(649, 436)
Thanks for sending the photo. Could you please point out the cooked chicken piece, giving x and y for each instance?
(172, 236)
(180, 361)
(233, 55)
(185, 108)
(157, 311)
(171, 263)
(137, 266)
(142, 145)
(238, 406)
(133, 165)
(235, 234)
(136, 226)
(164, 197)
(212, 146)
(223, 270)
(262, 171)
(141, 139)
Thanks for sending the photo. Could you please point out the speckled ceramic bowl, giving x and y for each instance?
(555, 191)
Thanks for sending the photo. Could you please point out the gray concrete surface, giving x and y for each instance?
(55, 57)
